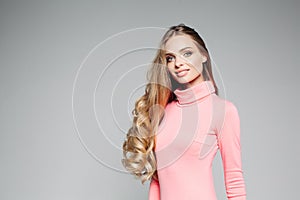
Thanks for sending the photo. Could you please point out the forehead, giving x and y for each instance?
(175, 43)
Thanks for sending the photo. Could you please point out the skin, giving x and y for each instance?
(183, 55)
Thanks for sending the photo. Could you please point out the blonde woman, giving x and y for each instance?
(180, 123)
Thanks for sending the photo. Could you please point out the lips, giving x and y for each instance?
(182, 72)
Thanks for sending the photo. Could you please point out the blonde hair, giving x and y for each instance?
(138, 148)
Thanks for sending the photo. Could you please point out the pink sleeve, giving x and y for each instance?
(154, 192)
(229, 145)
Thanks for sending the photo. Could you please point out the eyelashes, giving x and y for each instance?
(187, 54)
(170, 58)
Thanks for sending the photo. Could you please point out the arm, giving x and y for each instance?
(229, 145)
(154, 191)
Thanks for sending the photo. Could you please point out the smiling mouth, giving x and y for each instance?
(182, 73)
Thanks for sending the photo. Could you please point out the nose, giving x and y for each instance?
(178, 61)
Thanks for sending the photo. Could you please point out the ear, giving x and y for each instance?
(204, 58)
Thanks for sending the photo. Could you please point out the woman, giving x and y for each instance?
(180, 123)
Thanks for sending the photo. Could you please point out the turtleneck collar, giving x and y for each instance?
(194, 93)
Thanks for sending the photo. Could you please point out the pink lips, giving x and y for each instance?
(182, 73)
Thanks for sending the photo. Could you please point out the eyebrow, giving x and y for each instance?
(181, 50)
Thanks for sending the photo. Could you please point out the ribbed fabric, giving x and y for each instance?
(194, 128)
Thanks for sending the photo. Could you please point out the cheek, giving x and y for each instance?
(197, 71)
(169, 68)
(170, 71)
(197, 66)
(196, 62)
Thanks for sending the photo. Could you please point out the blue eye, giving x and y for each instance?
(169, 59)
(187, 54)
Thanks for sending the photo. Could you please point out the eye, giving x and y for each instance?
(169, 58)
(187, 54)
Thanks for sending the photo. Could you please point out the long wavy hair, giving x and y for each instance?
(138, 148)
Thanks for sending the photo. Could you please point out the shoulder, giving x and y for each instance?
(228, 104)
(225, 107)
(171, 105)
(228, 118)
(231, 112)
(230, 107)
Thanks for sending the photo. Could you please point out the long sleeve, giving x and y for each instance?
(229, 145)
(154, 191)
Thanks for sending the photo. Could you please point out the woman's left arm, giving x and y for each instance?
(230, 149)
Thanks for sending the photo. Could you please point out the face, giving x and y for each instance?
(184, 60)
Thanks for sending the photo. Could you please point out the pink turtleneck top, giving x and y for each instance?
(195, 126)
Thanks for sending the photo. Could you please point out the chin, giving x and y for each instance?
(182, 81)
(186, 80)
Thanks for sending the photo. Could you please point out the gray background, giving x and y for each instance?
(47, 151)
